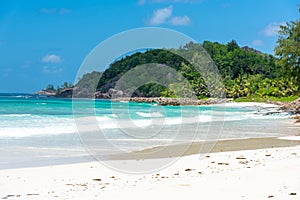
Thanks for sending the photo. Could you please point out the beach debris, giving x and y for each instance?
(113, 177)
(223, 163)
(32, 194)
(268, 155)
(11, 195)
(293, 193)
(97, 179)
(82, 184)
(188, 170)
(241, 158)
(270, 196)
(244, 162)
(176, 174)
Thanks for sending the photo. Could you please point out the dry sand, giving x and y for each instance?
(269, 173)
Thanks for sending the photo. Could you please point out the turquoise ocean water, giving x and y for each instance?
(43, 131)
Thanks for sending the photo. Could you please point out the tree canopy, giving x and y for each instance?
(288, 49)
(246, 72)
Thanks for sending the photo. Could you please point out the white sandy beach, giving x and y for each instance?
(262, 173)
(252, 174)
(250, 104)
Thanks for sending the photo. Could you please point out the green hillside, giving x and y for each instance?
(246, 72)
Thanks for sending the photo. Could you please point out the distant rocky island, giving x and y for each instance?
(64, 93)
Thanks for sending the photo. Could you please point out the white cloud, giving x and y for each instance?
(257, 43)
(52, 70)
(51, 58)
(164, 16)
(180, 21)
(272, 29)
(160, 16)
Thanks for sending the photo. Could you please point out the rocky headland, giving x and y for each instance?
(292, 107)
(163, 101)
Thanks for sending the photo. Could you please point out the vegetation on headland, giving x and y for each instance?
(248, 74)
(267, 100)
(86, 84)
(64, 90)
(288, 50)
(59, 88)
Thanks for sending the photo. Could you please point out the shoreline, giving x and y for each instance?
(197, 148)
(248, 174)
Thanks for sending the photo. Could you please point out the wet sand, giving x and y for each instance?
(203, 148)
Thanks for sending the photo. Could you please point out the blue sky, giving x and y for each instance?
(46, 41)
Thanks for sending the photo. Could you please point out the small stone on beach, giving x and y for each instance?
(244, 162)
(32, 194)
(240, 158)
(8, 196)
(188, 170)
(223, 163)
